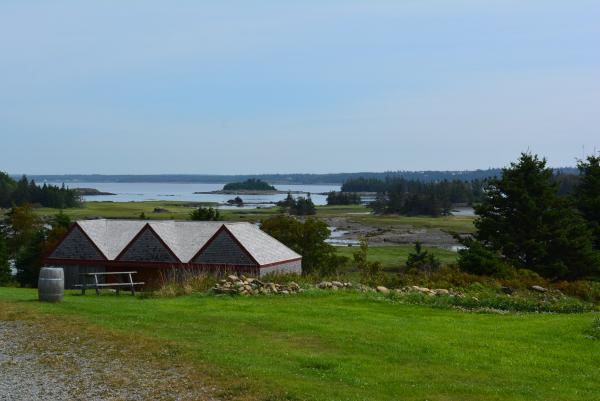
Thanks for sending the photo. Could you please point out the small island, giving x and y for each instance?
(251, 184)
(90, 192)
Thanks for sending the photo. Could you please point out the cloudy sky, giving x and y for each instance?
(312, 86)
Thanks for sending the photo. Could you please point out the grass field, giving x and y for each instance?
(459, 224)
(181, 210)
(395, 256)
(347, 346)
(177, 210)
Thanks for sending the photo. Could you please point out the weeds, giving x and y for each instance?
(594, 331)
(179, 282)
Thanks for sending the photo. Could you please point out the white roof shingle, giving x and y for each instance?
(185, 238)
(263, 248)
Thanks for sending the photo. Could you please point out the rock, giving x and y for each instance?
(232, 277)
(507, 290)
(382, 290)
(337, 284)
(293, 286)
(441, 291)
(538, 288)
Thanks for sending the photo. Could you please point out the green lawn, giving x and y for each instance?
(394, 256)
(351, 346)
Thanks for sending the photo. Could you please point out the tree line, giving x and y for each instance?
(333, 178)
(26, 191)
(409, 197)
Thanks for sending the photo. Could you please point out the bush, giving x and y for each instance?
(371, 273)
(205, 214)
(423, 261)
(479, 259)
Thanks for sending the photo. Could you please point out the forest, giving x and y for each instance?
(25, 191)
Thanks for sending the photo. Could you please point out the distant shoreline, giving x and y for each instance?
(274, 179)
(248, 192)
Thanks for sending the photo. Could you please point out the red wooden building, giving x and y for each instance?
(156, 248)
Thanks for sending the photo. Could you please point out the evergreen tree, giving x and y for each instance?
(422, 261)
(522, 217)
(29, 260)
(587, 195)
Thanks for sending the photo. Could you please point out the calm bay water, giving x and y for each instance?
(142, 191)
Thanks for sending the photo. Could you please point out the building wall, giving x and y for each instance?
(148, 248)
(288, 267)
(73, 274)
(77, 246)
(224, 250)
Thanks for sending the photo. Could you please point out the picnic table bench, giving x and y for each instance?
(97, 285)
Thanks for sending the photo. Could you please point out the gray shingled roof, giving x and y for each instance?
(185, 238)
(264, 248)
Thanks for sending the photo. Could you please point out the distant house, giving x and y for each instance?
(155, 248)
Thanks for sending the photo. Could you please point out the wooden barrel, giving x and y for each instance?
(51, 284)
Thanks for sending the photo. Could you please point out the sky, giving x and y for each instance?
(248, 87)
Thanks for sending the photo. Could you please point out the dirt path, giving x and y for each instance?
(36, 365)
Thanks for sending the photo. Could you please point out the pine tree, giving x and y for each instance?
(587, 195)
(522, 217)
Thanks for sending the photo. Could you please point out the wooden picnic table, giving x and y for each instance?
(97, 285)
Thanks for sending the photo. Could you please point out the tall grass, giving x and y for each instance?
(185, 281)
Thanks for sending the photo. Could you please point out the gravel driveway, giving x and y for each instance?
(35, 365)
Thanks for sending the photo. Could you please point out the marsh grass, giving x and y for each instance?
(184, 281)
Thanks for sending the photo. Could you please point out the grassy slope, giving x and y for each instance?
(352, 347)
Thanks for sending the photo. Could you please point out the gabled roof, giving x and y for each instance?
(111, 236)
(184, 238)
(263, 248)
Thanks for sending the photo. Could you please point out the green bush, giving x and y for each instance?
(479, 259)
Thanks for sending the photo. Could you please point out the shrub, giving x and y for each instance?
(479, 259)
(423, 261)
(371, 273)
(205, 214)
